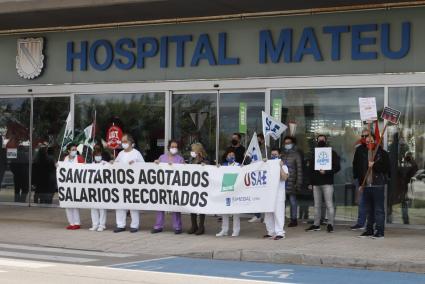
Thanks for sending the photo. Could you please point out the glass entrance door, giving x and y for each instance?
(194, 119)
(49, 119)
(15, 146)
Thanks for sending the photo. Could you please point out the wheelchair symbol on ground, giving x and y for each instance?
(279, 274)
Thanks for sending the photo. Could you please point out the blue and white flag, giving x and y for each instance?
(272, 127)
(253, 150)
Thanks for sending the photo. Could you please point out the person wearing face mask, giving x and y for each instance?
(128, 156)
(98, 216)
(230, 161)
(275, 221)
(198, 157)
(73, 214)
(373, 170)
(322, 185)
(171, 157)
(360, 148)
(237, 148)
(291, 157)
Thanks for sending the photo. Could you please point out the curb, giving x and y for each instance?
(314, 260)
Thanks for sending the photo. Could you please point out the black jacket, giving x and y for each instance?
(293, 160)
(380, 169)
(328, 177)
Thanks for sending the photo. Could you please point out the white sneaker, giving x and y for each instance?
(254, 219)
(101, 229)
(221, 234)
(94, 228)
(235, 234)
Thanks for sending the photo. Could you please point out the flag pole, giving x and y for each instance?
(265, 146)
(63, 140)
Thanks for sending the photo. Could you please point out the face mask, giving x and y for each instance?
(274, 157)
(173, 151)
(321, 144)
(235, 142)
(288, 146)
(125, 146)
(230, 160)
(193, 154)
(97, 159)
(73, 154)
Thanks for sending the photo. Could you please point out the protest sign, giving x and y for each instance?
(323, 158)
(391, 115)
(163, 187)
(367, 108)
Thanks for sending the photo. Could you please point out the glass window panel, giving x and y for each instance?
(49, 119)
(142, 115)
(15, 146)
(194, 119)
(229, 117)
(335, 113)
(407, 151)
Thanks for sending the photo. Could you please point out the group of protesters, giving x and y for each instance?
(370, 170)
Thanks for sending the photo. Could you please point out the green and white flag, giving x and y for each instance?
(85, 137)
(68, 134)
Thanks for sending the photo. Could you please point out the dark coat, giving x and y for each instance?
(292, 159)
(381, 167)
(328, 177)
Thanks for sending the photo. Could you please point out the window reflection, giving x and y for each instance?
(335, 113)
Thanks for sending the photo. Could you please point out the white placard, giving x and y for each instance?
(12, 153)
(175, 188)
(323, 158)
(367, 108)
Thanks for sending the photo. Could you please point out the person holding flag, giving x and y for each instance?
(373, 166)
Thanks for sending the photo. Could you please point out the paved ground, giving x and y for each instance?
(282, 273)
(401, 250)
(24, 271)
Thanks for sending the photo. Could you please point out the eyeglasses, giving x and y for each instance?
(364, 136)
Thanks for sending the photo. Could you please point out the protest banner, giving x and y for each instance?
(391, 115)
(163, 187)
(367, 108)
(323, 158)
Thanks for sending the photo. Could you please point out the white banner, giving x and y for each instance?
(163, 187)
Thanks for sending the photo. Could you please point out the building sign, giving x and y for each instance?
(30, 58)
(368, 42)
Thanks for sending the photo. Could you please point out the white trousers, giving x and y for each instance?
(275, 221)
(73, 216)
(121, 216)
(236, 223)
(98, 218)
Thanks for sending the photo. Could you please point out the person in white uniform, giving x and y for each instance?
(73, 214)
(128, 155)
(98, 216)
(275, 221)
(230, 161)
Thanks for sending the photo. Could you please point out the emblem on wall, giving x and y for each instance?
(30, 58)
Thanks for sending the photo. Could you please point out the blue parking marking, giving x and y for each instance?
(271, 272)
